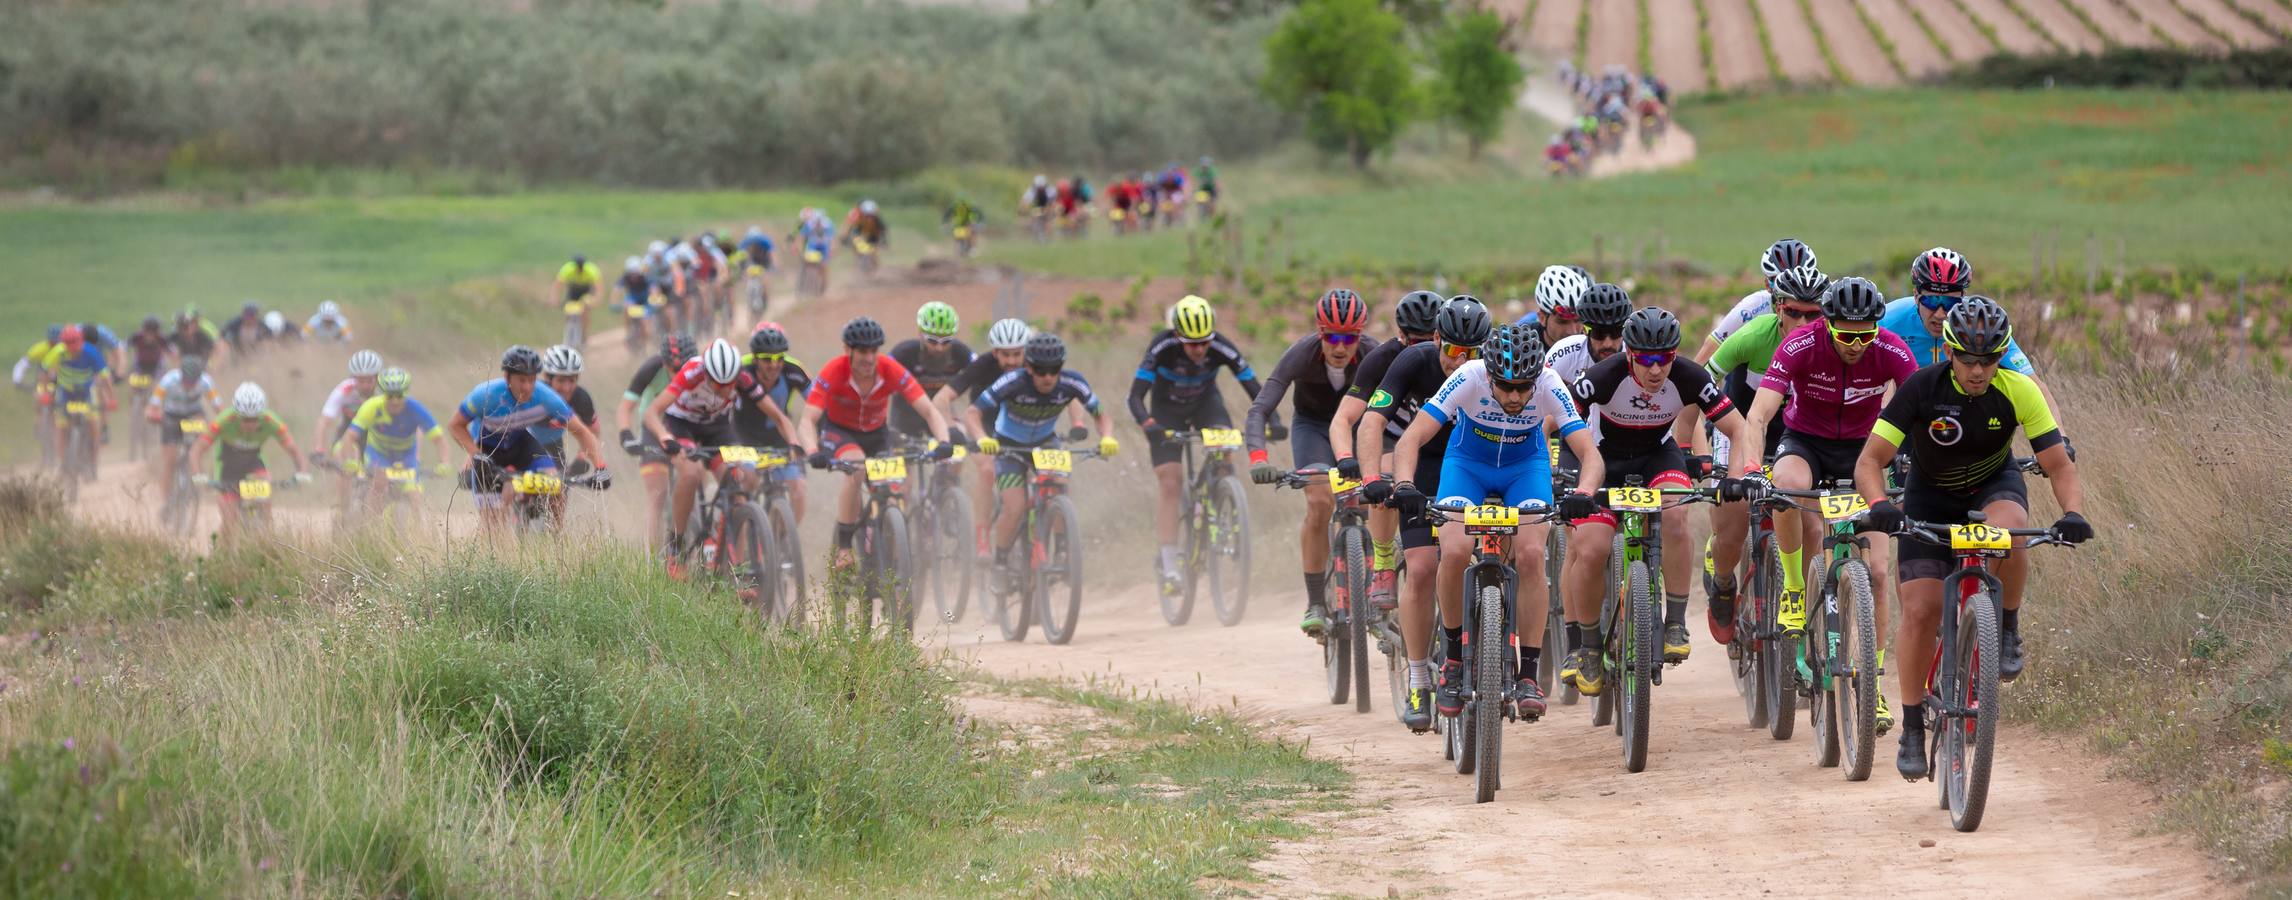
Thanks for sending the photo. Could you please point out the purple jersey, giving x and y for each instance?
(1830, 399)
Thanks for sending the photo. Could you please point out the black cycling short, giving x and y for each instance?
(1648, 469)
(1011, 472)
(576, 291)
(1208, 412)
(1829, 459)
(234, 466)
(1309, 444)
(515, 451)
(719, 433)
(1427, 479)
(834, 438)
(171, 428)
(1916, 559)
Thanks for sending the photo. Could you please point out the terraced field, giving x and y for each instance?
(1698, 44)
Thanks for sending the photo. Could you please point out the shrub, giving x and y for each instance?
(2137, 67)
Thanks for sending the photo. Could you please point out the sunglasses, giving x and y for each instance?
(1340, 340)
(1978, 359)
(938, 341)
(1512, 387)
(1604, 332)
(1937, 301)
(1799, 313)
(1652, 360)
(768, 357)
(1565, 314)
(1046, 370)
(1459, 351)
(1200, 343)
(1854, 338)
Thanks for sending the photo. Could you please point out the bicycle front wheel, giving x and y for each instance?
(948, 553)
(895, 568)
(751, 557)
(1015, 604)
(1193, 544)
(1059, 583)
(1556, 618)
(1641, 655)
(1857, 689)
(1824, 623)
(1488, 682)
(1777, 656)
(788, 557)
(1968, 742)
(1227, 556)
(1357, 611)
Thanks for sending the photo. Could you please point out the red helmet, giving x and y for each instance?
(71, 337)
(1341, 312)
(760, 326)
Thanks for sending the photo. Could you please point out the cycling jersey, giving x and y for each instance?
(1753, 305)
(652, 377)
(239, 434)
(75, 373)
(495, 415)
(1485, 433)
(325, 328)
(584, 275)
(840, 399)
(1414, 377)
(758, 248)
(1174, 378)
(1038, 197)
(1319, 386)
(1829, 398)
(1634, 421)
(635, 287)
(1751, 347)
(148, 351)
(866, 227)
(200, 343)
(695, 397)
(1571, 357)
(1024, 415)
(753, 426)
(243, 332)
(584, 411)
(173, 397)
(344, 401)
(1927, 348)
(393, 435)
(1957, 442)
(933, 369)
(1374, 365)
(978, 376)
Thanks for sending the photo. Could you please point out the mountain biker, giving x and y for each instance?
(1500, 403)
(1941, 277)
(757, 246)
(854, 393)
(1026, 407)
(493, 425)
(1640, 396)
(651, 378)
(1461, 326)
(636, 287)
(935, 356)
(1322, 365)
(576, 280)
(963, 214)
(247, 331)
(194, 337)
(1558, 290)
(329, 324)
(1205, 178)
(561, 371)
(785, 382)
(1835, 374)
(335, 413)
(693, 416)
(184, 392)
(1957, 419)
(1600, 315)
(1123, 194)
(1350, 440)
(1178, 375)
(1780, 256)
(78, 372)
(1006, 345)
(385, 433)
(1740, 364)
(1038, 197)
(147, 349)
(864, 222)
(282, 331)
(29, 368)
(238, 438)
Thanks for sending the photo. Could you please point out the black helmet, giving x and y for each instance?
(1941, 271)
(1605, 305)
(1463, 321)
(1418, 312)
(151, 323)
(863, 332)
(768, 340)
(1045, 350)
(1788, 253)
(520, 359)
(1805, 283)
(676, 348)
(1853, 300)
(192, 366)
(1513, 354)
(580, 259)
(1977, 325)
(1652, 329)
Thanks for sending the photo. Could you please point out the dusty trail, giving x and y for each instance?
(1547, 99)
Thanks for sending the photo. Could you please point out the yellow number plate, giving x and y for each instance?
(893, 469)
(1491, 516)
(1201, 196)
(736, 454)
(635, 311)
(813, 256)
(1838, 507)
(962, 233)
(77, 408)
(399, 474)
(1631, 499)
(1059, 461)
(755, 271)
(139, 381)
(1117, 215)
(1979, 537)
(1339, 484)
(1221, 438)
(538, 483)
(863, 245)
(193, 426)
(254, 490)
(574, 308)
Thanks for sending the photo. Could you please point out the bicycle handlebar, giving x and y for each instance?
(1938, 534)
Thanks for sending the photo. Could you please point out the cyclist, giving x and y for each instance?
(185, 392)
(709, 268)
(246, 332)
(493, 425)
(1350, 439)
(147, 349)
(1500, 403)
(77, 371)
(1641, 396)
(865, 222)
(1835, 374)
(1123, 194)
(194, 337)
(238, 438)
(576, 280)
(854, 393)
(817, 235)
(561, 371)
(1026, 407)
(335, 414)
(1205, 178)
(1006, 345)
(329, 325)
(282, 331)
(935, 357)
(1558, 290)
(1179, 373)
(785, 381)
(757, 246)
(636, 287)
(385, 431)
(1781, 256)
(1600, 313)
(694, 415)
(1415, 376)
(651, 378)
(1038, 197)
(1322, 365)
(1957, 421)
(35, 358)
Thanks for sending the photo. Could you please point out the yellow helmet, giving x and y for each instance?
(1192, 318)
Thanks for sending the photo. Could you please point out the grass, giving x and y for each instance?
(421, 722)
(1838, 73)
(1989, 32)
(1885, 44)
(1703, 45)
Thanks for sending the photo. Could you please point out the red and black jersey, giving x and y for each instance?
(1634, 421)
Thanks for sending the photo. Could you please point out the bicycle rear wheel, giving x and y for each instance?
(1228, 554)
(1857, 690)
(1193, 544)
(1016, 603)
(789, 556)
(1641, 655)
(1060, 579)
(75, 463)
(1488, 683)
(1336, 658)
(1357, 608)
(1743, 655)
(1969, 742)
(1777, 656)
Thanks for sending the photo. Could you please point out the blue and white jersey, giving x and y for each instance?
(1024, 415)
(1902, 319)
(493, 413)
(1485, 433)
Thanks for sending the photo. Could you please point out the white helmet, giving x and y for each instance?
(867, 207)
(1008, 334)
(365, 364)
(1041, 181)
(249, 399)
(329, 309)
(656, 248)
(721, 362)
(633, 265)
(755, 231)
(561, 360)
(1559, 287)
(275, 321)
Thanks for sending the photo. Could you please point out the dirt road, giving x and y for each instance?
(1545, 98)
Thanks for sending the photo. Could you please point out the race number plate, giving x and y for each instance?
(538, 484)
(253, 489)
(892, 469)
(1491, 516)
(813, 256)
(1116, 215)
(635, 311)
(1339, 484)
(1840, 507)
(736, 454)
(1221, 438)
(755, 271)
(399, 475)
(962, 233)
(139, 381)
(574, 308)
(863, 245)
(1049, 460)
(193, 426)
(1635, 499)
(77, 408)
(1979, 537)
(770, 459)
(1201, 196)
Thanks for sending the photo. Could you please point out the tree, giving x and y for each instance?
(1343, 65)
(1475, 80)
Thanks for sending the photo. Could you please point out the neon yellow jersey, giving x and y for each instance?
(386, 433)
(585, 275)
(39, 352)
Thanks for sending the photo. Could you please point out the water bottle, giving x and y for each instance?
(708, 552)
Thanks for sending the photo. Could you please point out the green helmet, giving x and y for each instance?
(394, 381)
(937, 319)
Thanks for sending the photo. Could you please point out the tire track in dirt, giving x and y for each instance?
(1794, 41)
(1554, 28)
(2240, 30)
(1735, 52)
(2016, 34)
(2176, 25)
(2117, 26)
(1961, 41)
(1852, 43)
(1615, 35)
(1920, 58)
(1674, 45)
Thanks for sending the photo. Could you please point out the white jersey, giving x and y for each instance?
(1569, 359)
(1752, 306)
(172, 397)
(343, 401)
(335, 328)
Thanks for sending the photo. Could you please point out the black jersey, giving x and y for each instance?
(1175, 379)
(754, 427)
(1634, 421)
(1414, 377)
(933, 371)
(1957, 442)
(1318, 387)
(977, 377)
(1374, 365)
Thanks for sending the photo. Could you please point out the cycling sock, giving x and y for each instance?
(1455, 638)
(1575, 637)
(1710, 568)
(1794, 569)
(1674, 609)
(1723, 582)
(1913, 718)
(1529, 657)
(1388, 555)
(2011, 620)
(844, 535)
(1316, 588)
(1420, 674)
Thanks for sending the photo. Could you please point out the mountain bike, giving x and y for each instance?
(864, 252)
(1631, 621)
(1045, 581)
(1476, 739)
(535, 493)
(965, 241)
(1839, 673)
(885, 555)
(1961, 701)
(179, 512)
(1213, 530)
(1205, 205)
(754, 293)
(1758, 653)
(79, 461)
(1345, 644)
(576, 323)
(812, 277)
(140, 431)
(945, 542)
(400, 491)
(735, 542)
(1038, 225)
(255, 501)
(633, 337)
